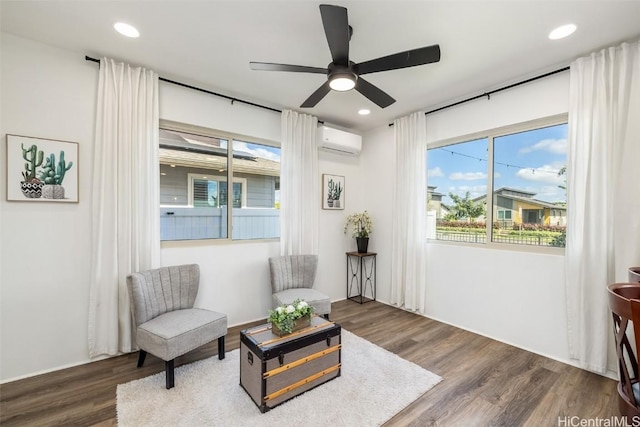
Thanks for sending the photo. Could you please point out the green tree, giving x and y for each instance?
(464, 207)
(561, 172)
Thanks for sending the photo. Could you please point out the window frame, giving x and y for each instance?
(193, 176)
(230, 137)
(491, 134)
(504, 213)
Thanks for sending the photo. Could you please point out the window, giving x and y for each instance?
(524, 169)
(504, 215)
(459, 174)
(211, 191)
(195, 198)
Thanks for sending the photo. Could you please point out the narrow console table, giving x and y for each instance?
(361, 276)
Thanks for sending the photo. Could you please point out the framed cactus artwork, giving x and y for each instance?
(41, 170)
(332, 191)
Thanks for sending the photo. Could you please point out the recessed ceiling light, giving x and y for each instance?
(126, 29)
(562, 32)
(363, 111)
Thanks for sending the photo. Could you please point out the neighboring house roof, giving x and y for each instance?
(430, 190)
(529, 200)
(504, 191)
(255, 165)
(205, 152)
(536, 202)
(514, 190)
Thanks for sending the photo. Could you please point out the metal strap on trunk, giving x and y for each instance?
(301, 361)
(302, 382)
(294, 334)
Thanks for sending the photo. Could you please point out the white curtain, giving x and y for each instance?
(603, 203)
(125, 200)
(299, 184)
(408, 270)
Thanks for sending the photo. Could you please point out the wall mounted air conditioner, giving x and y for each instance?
(338, 141)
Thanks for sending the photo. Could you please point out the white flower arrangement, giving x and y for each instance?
(362, 224)
(285, 316)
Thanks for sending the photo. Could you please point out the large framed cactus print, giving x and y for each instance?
(332, 191)
(41, 170)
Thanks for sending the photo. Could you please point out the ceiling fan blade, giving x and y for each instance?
(336, 28)
(317, 96)
(409, 58)
(267, 66)
(382, 99)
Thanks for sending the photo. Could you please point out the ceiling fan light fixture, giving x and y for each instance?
(342, 82)
(344, 74)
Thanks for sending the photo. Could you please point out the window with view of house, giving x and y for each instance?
(523, 167)
(457, 174)
(196, 199)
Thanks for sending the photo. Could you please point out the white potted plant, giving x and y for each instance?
(286, 319)
(361, 227)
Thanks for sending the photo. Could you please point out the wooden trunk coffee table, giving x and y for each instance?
(275, 369)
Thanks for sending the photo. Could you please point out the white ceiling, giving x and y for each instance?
(485, 44)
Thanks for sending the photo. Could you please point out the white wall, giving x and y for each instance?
(378, 177)
(513, 296)
(332, 277)
(44, 268)
(45, 265)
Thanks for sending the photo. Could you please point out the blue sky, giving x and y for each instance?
(527, 161)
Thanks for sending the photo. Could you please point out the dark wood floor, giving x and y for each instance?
(485, 382)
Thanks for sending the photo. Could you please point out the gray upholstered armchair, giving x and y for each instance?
(167, 325)
(292, 277)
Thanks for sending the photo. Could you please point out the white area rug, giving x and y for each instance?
(375, 385)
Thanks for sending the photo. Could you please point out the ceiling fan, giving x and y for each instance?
(343, 74)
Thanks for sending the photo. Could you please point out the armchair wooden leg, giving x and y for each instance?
(221, 347)
(169, 368)
(141, 357)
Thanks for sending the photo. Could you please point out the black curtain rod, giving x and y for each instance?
(232, 99)
(491, 92)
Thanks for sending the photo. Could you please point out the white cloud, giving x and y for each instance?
(431, 173)
(258, 152)
(547, 174)
(555, 146)
(467, 176)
